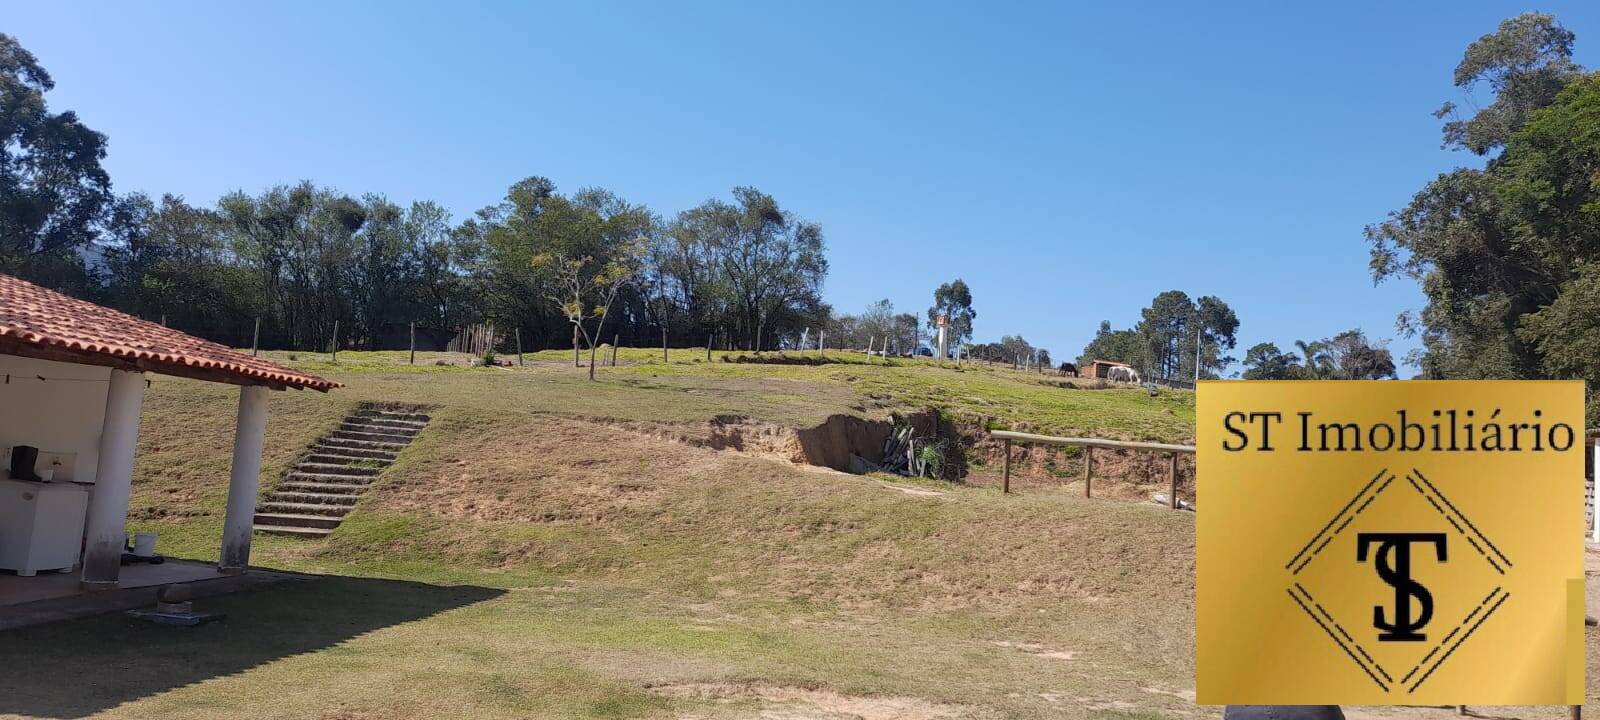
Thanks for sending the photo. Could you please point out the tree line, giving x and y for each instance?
(1176, 338)
(303, 259)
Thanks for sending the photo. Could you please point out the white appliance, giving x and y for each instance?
(41, 525)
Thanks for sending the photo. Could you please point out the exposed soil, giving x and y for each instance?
(829, 444)
(1123, 474)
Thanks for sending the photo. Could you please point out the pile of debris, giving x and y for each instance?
(905, 453)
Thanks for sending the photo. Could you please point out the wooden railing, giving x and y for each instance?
(1089, 444)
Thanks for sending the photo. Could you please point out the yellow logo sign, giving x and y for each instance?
(1410, 543)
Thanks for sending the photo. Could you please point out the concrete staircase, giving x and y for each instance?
(323, 487)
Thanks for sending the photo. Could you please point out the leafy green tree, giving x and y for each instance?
(1493, 245)
(1264, 361)
(1170, 331)
(1354, 357)
(748, 267)
(1525, 63)
(53, 192)
(1123, 346)
(953, 300)
(1016, 350)
(1315, 362)
(585, 289)
(1497, 249)
(905, 335)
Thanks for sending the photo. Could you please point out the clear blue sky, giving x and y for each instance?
(1069, 161)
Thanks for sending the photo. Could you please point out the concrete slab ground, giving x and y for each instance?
(40, 599)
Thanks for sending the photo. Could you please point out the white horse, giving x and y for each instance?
(1122, 374)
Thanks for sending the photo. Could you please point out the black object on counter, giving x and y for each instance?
(23, 458)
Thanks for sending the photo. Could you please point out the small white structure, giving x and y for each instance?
(72, 382)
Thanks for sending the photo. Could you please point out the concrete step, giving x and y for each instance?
(379, 429)
(381, 421)
(305, 532)
(312, 468)
(330, 458)
(391, 439)
(296, 520)
(355, 452)
(296, 508)
(312, 498)
(351, 489)
(317, 493)
(330, 478)
(393, 415)
(358, 444)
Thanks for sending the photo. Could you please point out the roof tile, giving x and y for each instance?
(36, 316)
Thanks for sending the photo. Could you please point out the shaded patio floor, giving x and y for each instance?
(49, 597)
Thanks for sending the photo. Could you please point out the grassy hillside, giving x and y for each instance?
(544, 550)
(535, 554)
(690, 389)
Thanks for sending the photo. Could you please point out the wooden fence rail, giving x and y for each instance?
(1089, 444)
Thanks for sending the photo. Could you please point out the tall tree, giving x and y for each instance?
(585, 288)
(1354, 357)
(53, 192)
(1350, 355)
(1497, 249)
(954, 301)
(1124, 346)
(1264, 361)
(1173, 334)
(1525, 63)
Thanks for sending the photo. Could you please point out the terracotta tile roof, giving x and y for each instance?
(36, 322)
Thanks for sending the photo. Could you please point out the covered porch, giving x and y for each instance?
(72, 381)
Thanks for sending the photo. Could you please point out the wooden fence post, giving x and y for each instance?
(336, 341)
(255, 338)
(518, 332)
(1172, 477)
(1088, 472)
(413, 343)
(709, 338)
(616, 342)
(1005, 483)
(576, 361)
(822, 350)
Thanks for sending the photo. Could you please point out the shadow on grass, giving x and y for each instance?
(80, 667)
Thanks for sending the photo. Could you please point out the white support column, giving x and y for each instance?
(107, 524)
(1594, 467)
(244, 481)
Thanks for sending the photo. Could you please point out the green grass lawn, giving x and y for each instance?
(688, 389)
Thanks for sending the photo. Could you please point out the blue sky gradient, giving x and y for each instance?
(1069, 161)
